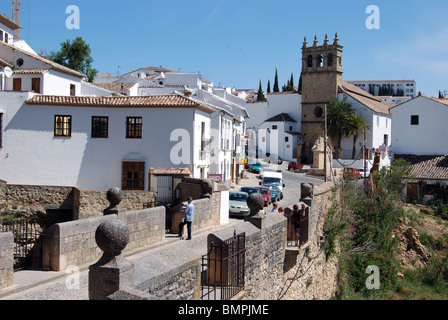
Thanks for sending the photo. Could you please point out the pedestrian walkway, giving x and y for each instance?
(73, 283)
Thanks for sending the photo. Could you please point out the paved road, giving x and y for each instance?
(293, 180)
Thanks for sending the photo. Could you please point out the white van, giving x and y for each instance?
(273, 178)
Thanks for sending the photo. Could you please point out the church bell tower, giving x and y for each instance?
(321, 76)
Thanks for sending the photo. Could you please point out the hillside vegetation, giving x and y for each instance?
(387, 249)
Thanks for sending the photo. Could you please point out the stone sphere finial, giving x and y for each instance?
(207, 186)
(114, 196)
(306, 190)
(255, 202)
(112, 236)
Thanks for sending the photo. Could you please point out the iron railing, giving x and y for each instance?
(223, 268)
(26, 233)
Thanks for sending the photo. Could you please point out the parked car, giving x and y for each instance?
(249, 190)
(266, 193)
(273, 158)
(351, 173)
(276, 193)
(238, 204)
(255, 167)
(361, 172)
(294, 165)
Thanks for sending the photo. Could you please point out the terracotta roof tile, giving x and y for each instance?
(427, 167)
(365, 98)
(154, 101)
(30, 71)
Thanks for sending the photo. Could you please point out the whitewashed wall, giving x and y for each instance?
(427, 138)
(32, 155)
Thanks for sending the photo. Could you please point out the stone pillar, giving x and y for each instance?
(257, 215)
(112, 272)
(6, 260)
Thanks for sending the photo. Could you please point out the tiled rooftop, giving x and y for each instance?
(427, 167)
(154, 101)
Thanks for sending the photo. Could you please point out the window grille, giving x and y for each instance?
(62, 126)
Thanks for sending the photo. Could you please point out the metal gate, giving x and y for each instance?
(164, 189)
(304, 227)
(27, 244)
(223, 268)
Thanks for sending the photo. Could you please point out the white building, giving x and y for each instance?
(376, 112)
(420, 127)
(7, 29)
(275, 125)
(56, 129)
(100, 142)
(406, 88)
(228, 124)
(37, 74)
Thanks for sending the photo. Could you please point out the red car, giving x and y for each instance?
(294, 165)
(266, 193)
(351, 173)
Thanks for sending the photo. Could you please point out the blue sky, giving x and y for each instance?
(239, 43)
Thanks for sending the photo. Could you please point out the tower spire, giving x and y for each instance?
(336, 40)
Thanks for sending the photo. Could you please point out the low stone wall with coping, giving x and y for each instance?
(73, 243)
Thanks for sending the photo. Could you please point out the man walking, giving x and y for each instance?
(189, 217)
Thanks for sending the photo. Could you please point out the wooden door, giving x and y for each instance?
(17, 84)
(133, 176)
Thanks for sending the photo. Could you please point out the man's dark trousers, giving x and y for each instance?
(181, 228)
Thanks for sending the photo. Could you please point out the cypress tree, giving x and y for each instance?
(261, 96)
(276, 87)
(269, 87)
(300, 84)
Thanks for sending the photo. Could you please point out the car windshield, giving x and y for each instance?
(264, 191)
(238, 197)
(274, 181)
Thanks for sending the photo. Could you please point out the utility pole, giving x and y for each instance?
(325, 142)
(364, 153)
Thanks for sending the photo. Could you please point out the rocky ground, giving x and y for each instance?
(421, 221)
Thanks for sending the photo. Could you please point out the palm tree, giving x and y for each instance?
(357, 125)
(339, 114)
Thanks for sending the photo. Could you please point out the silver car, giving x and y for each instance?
(238, 204)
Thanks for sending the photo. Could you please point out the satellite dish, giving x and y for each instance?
(8, 72)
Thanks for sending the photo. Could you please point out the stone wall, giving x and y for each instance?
(6, 259)
(272, 271)
(73, 243)
(206, 214)
(91, 203)
(83, 203)
(2, 193)
(38, 198)
(317, 277)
